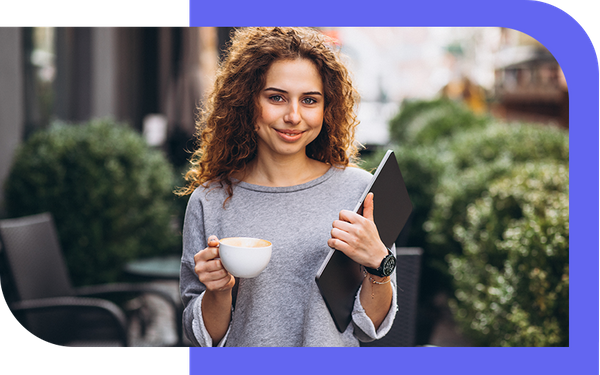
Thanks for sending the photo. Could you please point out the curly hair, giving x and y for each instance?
(226, 137)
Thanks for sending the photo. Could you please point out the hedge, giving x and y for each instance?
(512, 278)
(426, 122)
(479, 157)
(109, 192)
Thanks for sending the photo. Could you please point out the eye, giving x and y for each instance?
(276, 98)
(309, 101)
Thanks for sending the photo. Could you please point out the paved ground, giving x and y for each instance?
(152, 322)
(445, 333)
(159, 327)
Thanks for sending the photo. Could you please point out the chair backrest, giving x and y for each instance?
(34, 256)
(38, 270)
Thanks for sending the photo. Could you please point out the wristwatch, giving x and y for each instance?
(386, 267)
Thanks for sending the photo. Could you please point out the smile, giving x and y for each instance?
(289, 135)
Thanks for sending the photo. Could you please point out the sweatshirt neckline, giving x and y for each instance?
(287, 189)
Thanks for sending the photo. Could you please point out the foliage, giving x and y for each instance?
(456, 190)
(109, 193)
(515, 142)
(478, 158)
(449, 157)
(512, 280)
(425, 122)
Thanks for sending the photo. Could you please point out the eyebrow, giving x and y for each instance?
(285, 92)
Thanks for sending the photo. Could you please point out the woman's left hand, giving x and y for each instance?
(357, 236)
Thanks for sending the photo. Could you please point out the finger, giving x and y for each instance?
(338, 234)
(226, 283)
(333, 243)
(340, 245)
(213, 266)
(349, 216)
(211, 271)
(342, 225)
(213, 241)
(208, 266)
(369, 206)
(206, 254)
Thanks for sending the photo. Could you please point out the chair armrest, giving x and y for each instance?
(138, 288)
(77, 303)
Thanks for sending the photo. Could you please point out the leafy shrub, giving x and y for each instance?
(517, 142)
(478, 158)
(425, 122)
(109, 193)
(512, 279)
(453, 156)
(456, 190)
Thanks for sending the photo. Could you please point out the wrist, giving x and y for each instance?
(374, 279)
(376, 260)
(379, 280)
(385, 267)
(218, 295)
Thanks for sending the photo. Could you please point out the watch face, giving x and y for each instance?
(388, 267)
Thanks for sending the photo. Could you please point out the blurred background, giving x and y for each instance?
(96, 125)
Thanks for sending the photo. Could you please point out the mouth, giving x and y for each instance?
(289, 135)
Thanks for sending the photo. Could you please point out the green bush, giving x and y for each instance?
(478, 158)
(425, 122)
(110, 195)
(453, 156)
(512, 279)
(456, 190)
(515, 142)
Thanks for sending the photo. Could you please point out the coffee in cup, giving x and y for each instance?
(244, 257)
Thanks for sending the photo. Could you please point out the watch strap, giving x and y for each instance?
(379, 271)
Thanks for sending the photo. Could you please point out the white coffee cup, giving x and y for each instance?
(243, 256)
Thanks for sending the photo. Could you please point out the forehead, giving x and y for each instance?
(300, 74)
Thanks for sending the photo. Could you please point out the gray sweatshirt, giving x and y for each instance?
(282, 306)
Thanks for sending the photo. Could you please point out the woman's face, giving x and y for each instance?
(291, 108)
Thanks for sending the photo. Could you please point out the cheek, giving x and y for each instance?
(267, 116)
(316, 119)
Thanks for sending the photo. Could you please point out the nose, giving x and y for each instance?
(293, 114)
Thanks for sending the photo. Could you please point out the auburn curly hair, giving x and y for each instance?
(226, 137)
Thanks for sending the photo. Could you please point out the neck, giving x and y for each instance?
(283, 171)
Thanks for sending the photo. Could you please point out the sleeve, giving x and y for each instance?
(199, 330)
(191, 289)
(364, 329)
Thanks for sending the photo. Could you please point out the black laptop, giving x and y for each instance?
(339, 277)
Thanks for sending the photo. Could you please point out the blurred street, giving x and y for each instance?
(152, 318)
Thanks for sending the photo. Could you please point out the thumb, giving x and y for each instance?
(213, 241)
(368, 207)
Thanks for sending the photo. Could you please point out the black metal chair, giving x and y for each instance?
(403, 331)
(43, 299)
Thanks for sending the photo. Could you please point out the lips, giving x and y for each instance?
(289, 135)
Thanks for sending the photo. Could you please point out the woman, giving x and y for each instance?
(275, 162)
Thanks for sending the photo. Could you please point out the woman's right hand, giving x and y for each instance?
(210, 270)
(216, 304)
